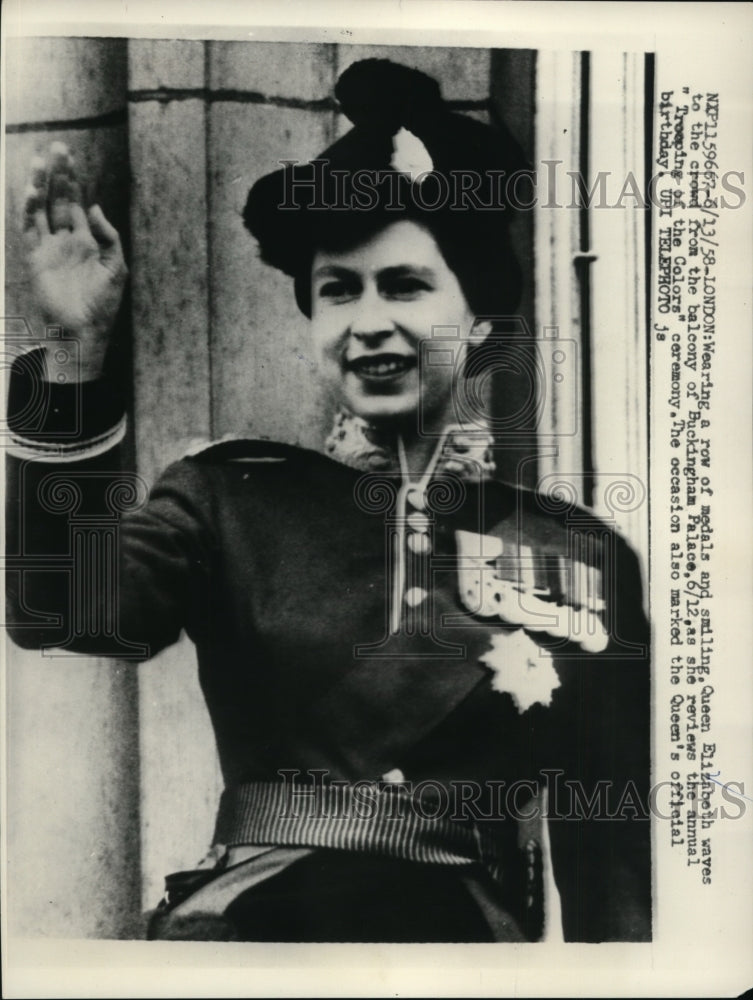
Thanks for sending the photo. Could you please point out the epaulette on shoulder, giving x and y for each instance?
(555, 507)
(240, 450)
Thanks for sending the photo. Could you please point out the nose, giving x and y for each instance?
(371, 322)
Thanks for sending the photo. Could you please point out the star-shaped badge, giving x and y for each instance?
(521, 669)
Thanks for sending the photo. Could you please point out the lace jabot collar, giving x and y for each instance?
(461, 451)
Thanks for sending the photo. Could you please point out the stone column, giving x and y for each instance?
(170, 280)
(72, 764)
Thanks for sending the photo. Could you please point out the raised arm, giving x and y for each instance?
(91, 566)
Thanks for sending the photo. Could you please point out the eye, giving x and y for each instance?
(404, 287)
(337, 289)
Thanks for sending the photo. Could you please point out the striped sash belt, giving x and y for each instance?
(376, 818)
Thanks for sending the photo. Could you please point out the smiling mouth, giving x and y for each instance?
(380, 367)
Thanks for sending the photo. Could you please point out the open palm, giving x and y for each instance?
(77, 282)
(75, 259)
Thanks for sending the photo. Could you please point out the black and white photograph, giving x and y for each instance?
(376, 554)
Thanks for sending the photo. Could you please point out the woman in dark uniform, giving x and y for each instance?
(429, 688)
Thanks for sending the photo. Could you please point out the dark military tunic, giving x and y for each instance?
(504, 654)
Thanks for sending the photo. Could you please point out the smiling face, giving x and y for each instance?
(372, 306)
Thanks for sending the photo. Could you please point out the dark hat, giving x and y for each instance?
(407, 155)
